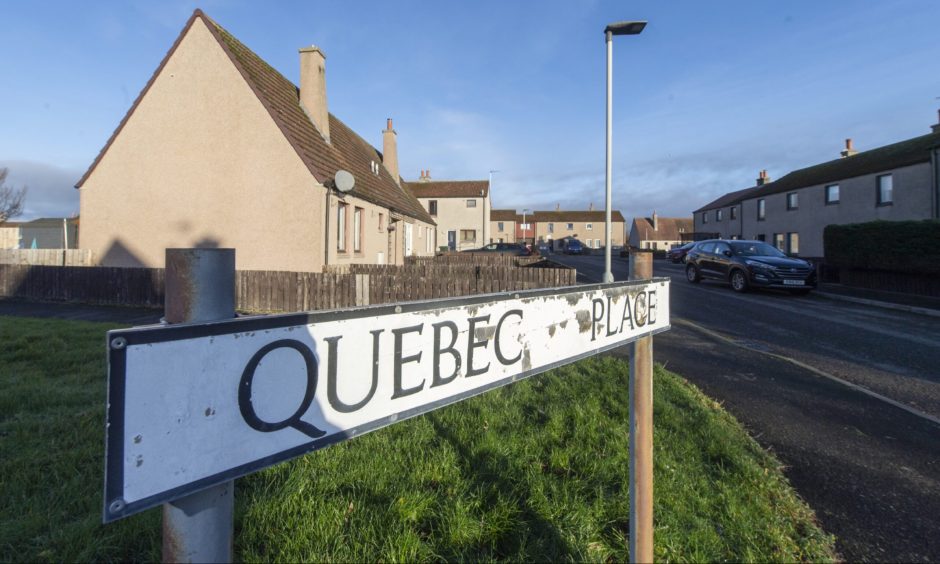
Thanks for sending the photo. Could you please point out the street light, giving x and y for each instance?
(524, 225)
(619, 28)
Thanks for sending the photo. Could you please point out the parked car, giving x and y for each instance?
(574, 247)
(677, 253)
(749, 264)
(544, 249)
(516, 249)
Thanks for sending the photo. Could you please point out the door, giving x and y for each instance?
(409, 231)
(722, 261)
(452, 240)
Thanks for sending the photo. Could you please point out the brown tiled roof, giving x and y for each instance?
(669, 228)
(449, 188)
(505, 215)
(280, 97)
(729, 199)
(579, 216)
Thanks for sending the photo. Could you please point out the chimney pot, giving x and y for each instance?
(849, 150)
(313, 88)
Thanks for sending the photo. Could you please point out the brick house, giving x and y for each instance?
(586, 226)
(658, 233)
(504, 225)
(461, 209)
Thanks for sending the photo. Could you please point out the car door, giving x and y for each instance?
(704, 259)
(721, 260)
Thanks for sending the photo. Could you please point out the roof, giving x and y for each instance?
(47, 222)
(505, 215)
(579, 216)
(669, 228)
(896, 155)
(281, 98)
(729, 199)
(450, 188)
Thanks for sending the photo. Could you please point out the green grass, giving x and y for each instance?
(534, 471)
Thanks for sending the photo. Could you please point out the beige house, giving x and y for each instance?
(461, 209)
(585, 226)
(221, 150)
(10, 235)
(658, 233)
(503, 226)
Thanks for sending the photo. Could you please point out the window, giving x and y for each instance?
(381, 222)
(471, 203)
(341, 227)
(779, 242)
(832, 194)
(718, 215)
(432, 207)
(589, 226)
(793, 201)
(655, 245)
(793, 243)
(551, 227)
(597, 243)
(570, 227)
(499, 226)
(761, 237)
(734, 212)
(704, 217)
(357, 230)
(885, 190)
(468, 235)
(427, 239)
(761, 210)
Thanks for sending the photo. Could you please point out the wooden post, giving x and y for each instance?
(641, 430)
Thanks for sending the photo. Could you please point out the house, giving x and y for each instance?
(659, 233)
(895, 182)
(221, 150)
(10, 235)
(461, 209)
(49, 233)
(721, 218)
(586, 226)
(504, 225)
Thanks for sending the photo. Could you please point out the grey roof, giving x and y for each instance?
(729, 199)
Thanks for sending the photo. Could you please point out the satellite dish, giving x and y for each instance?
(344, 181)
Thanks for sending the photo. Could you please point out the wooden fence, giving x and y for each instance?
(269, 291)
(490, 259)
(47, 257)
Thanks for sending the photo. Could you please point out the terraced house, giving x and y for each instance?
(503, 226)
(461, 209)
(895, 182)
(586, 226)
(221, 150)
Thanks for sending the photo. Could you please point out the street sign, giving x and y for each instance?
(194, 405)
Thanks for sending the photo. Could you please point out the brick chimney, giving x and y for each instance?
(762, 178)
(557, 207)
(655, 221)
(426, 175)
(849, 150)
(936, 127)
(390, 150)
(313, 88)
(591, 206)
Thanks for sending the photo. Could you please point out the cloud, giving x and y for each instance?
(51, 191)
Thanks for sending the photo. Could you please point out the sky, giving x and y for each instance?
(708, 95)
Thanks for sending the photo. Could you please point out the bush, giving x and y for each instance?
(897, 246)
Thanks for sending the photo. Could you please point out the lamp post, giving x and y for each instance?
(619, 28)
(524, 225)
(490, 188)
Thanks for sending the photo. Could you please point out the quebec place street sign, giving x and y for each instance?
(195, 405)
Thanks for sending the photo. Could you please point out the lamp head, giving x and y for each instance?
(625, 28)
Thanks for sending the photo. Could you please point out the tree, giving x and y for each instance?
(11, 199)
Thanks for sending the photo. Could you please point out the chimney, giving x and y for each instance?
(849, 151)
(655, 222)
(936, 127)
(390, 150)
(762, 178)
(425, 176)
(591, 206)
(313, 88)
(557, 207)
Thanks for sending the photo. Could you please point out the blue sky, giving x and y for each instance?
(708, 95)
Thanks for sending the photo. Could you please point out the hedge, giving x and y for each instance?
(897, 246)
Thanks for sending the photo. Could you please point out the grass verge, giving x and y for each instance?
(534, 471)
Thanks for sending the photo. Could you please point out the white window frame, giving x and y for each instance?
(357, 229)
(341, 212)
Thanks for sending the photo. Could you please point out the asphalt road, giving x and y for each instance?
(869, 468)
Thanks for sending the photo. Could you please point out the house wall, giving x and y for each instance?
(913, 199)
(727, 228)
(580, 231)
(507, 234)
(9, 237)
(201, 163)
(454, 215)
(379, 244)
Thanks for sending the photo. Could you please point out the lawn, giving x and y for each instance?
(534, 471)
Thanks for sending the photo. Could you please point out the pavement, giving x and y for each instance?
(925, 305)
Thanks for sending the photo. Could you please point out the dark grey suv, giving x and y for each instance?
(747, 264)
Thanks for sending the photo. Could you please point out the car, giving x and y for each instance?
(678, 252)
(748, 264)
(574, 247)
(544, 249)
(516, 249)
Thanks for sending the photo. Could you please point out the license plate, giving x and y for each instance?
(793, 282)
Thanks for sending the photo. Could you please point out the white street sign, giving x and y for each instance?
(194, 405)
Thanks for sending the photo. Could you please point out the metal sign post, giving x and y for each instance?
(641, 430)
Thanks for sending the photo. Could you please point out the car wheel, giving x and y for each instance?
(739, 281)
(691, 273)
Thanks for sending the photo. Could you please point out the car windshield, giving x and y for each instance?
(756, 250)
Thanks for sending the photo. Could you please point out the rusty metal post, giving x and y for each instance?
(200, 287)
(641, 429)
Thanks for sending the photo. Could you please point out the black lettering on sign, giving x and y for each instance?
(475, 344)
(247, 409)
(596, 316)
(450, 349)
(639, 309)
(652, 306)
(331, 395)
(627, 314)
(610, 310)
(497, 348)
(400, 360)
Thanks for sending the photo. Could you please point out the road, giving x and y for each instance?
(795, 371)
